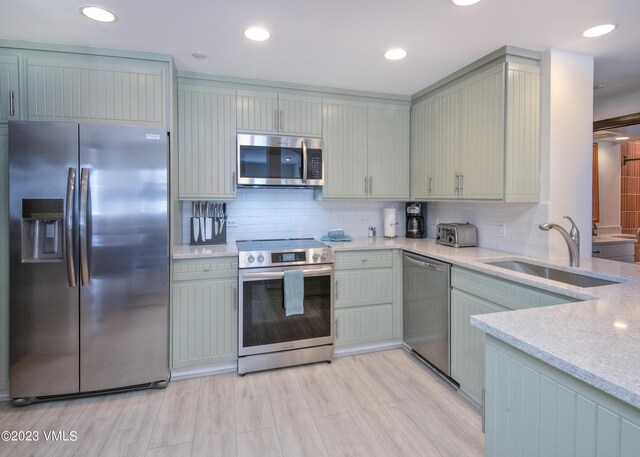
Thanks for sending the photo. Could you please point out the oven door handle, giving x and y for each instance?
(280, 274)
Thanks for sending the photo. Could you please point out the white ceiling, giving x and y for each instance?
(339, 43)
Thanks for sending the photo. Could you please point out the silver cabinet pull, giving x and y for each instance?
(12, 104)
(461, 183)
(84, 229)
(366, 185)
(429, 185)
(484, 396)
(275, 120)
(336, 293)
(336, 324)
(235, 298)
(370, 184)
(68, 219)
(280, 123)
(457, 178)
(233, 180)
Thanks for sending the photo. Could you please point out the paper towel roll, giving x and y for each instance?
(390, 224)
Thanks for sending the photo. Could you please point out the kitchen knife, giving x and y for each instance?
(207, 213)
(202, 220)
(195, 222)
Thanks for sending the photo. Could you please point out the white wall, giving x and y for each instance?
(609, 183)
(567, 120)
(293, 213)
(606, 108)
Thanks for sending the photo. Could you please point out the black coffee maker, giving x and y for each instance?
(416, 214)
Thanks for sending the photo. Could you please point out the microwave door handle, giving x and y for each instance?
(304, 162)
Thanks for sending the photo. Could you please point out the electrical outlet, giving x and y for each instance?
(502, 229)
(232, 223)
(364, 220)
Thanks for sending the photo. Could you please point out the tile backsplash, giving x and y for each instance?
(522, 235)
(293, 213)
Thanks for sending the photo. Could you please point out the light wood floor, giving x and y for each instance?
(378, 404)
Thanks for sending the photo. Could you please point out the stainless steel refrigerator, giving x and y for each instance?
(89, 258)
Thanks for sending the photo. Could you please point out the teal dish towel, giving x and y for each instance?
(293, 292)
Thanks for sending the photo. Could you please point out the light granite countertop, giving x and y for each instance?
(596, 340)
(613, 239)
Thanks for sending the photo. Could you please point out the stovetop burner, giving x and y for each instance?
(282, 252)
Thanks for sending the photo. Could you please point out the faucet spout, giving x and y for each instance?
(572, 239)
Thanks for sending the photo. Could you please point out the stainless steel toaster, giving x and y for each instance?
(457, 235)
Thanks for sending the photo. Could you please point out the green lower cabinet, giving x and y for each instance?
(467, 342)
(204, 312)
(364, 324)
(368, 307)
(534, 409)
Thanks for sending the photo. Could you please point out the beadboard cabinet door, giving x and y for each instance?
(93, 88)
(467, 342)
(388, 152)
(206, 142)
(435, 147)
(345, 149)
(365, 324)
(204, 311)
(481, 136)
(204, 322)
(283, 113)
(9, 93)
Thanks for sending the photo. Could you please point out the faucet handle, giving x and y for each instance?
(574, 233)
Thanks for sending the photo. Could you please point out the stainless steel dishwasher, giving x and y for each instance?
(427, 309)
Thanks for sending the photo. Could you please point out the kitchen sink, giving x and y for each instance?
(554, 274)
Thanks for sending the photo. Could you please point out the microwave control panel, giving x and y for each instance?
(314, 167)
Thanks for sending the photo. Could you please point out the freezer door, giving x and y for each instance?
(124, 256)
(44, 346)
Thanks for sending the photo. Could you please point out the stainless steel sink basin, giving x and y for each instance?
(554, 274)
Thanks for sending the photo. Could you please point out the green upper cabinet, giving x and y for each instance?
(9, 101)
(345, 149)
(388, 151)
(283, 113)
(206, 140)
(476, 136)
(366, 150)
(63, 86)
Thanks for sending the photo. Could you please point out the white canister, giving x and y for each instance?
(390, 223)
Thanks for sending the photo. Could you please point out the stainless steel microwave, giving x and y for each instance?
(267, 160)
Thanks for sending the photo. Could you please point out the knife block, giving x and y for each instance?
(220, 238)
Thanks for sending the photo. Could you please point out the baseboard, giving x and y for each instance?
(204, 370)
(4, 395)
(364, 348)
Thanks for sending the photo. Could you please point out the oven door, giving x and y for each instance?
(262, 323)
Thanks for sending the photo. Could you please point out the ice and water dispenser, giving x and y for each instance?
(42, 230)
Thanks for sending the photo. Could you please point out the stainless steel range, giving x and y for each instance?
(267, 336)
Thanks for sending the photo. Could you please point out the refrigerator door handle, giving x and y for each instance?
(84, 232)
(68, 220)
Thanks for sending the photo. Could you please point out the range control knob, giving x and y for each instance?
(251, 259)
(260, 258)
(450, 239)
(316, 256)
(324, 256)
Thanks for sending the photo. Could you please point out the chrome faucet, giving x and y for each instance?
(572, 239)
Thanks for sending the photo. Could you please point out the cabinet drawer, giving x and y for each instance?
(363, 259)
(364, 287)
(366, 324)
(209, 268)
(503, 292)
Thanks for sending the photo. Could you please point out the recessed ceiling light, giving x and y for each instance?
(598, 30)
(199, 55)
(257, 33)
(395, 54)
(621, 325)
(98, 13)
(464, 2)
(621, 138)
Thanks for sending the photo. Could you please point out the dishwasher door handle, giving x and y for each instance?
(424, 264)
